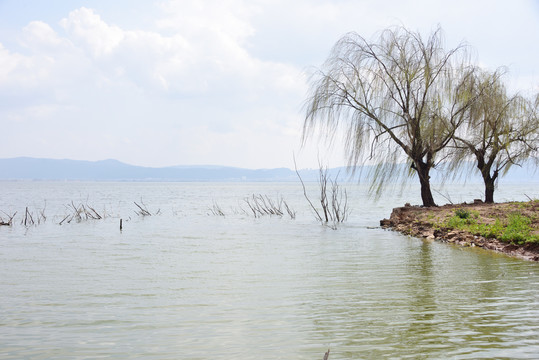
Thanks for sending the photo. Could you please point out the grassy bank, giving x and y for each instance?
(516, 223)
(511, 228)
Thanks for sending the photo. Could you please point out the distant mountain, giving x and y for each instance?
(51, 169)
(25, 168)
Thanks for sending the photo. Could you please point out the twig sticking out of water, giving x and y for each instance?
(262, 205)
(10, 220)
(31, 219)
(334, 201)
(28, 218)
(80, 213)
(143, 209)
(326, 355)
(291, 212)
(216, 210)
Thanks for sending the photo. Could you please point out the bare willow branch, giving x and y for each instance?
(316, 213)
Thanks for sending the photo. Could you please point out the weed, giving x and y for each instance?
(462, 213)
(518, 229)
(461, 219)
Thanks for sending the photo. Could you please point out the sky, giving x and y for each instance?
(210, 82)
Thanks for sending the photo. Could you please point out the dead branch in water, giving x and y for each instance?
(9, 222)
(291, 213)
(262, 205)
(316, 213)
(216, 210)
(82, 212)
(326, 355)
(28, 218)
(333, 200)
(143, 209)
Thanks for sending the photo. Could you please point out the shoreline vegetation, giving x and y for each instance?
(511, 228)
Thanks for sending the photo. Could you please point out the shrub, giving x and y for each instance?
(462, 213)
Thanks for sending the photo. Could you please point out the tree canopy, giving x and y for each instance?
(400, 96)
(500, 131)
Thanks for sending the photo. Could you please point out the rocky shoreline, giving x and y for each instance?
(424, 222)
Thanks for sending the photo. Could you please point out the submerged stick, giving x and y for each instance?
(143, 210)
(326, 355)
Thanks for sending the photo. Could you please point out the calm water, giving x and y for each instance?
(190, 285)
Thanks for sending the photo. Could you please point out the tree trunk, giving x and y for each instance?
(424, 180)
(489, 185)
(489, 191)
(489, 181)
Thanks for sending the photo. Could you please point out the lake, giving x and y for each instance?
(188, 284)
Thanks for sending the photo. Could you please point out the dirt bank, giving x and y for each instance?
(433, 223)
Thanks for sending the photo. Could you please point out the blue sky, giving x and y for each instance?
(160, 83)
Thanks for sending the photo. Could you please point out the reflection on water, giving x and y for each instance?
(188, 285)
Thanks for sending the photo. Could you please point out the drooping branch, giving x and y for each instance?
(400, 92)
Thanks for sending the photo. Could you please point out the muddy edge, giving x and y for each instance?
(411, 220)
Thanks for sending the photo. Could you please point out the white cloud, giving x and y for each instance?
(40, 37)
(18, 71)
(222, 23)
(211, 81)
(86, 28)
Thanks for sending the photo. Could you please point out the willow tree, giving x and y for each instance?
(399, 97)
(500, 131)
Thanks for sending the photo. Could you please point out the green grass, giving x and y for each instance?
(516, 229)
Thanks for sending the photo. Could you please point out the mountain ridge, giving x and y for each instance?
(29, 168)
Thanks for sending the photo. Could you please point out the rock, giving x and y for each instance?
(426, 233)
(386, 223)
(477, 201)
(469, 238)
(438, 233)
(511, 247)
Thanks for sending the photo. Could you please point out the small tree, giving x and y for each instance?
(500, 131)
(401, 97)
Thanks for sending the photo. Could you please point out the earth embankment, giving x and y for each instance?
(482, 225)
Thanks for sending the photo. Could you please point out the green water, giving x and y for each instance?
(186, 284)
